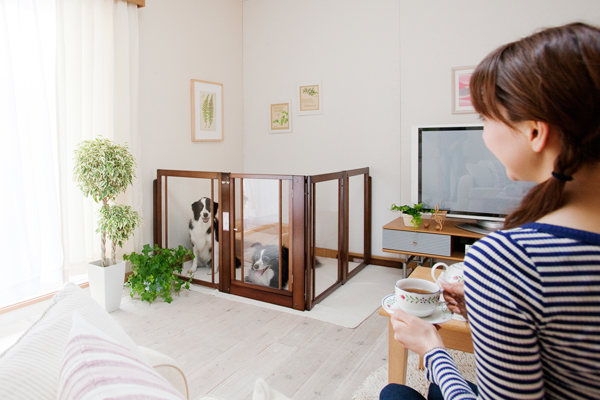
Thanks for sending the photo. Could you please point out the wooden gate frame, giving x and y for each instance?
(343, 253)
(302, 254)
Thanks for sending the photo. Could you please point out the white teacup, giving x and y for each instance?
(454, 273)
(417, 297)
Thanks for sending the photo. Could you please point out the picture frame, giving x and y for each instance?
(309, 96)
(280, 116)
(207, 111)
(461, 93)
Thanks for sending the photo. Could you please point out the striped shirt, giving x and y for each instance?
(533, 301)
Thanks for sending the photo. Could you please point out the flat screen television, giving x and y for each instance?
(452, 168)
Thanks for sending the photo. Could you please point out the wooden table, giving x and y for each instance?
(455, 334)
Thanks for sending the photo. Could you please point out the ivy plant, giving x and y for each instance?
(415, 212)
(154, 272)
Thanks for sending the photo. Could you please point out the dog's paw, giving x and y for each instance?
(192, 269)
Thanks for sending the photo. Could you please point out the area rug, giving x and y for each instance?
(370, 388)
(347, 306)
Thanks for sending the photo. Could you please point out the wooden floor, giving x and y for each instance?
(223, 346)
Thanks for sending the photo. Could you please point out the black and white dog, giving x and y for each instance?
(205, 211)
(265, 266)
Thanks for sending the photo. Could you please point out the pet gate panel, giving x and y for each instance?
(288, 223)
(180, 226)
(357, 218)
(262, 213)
(326, 240)
(325, 249)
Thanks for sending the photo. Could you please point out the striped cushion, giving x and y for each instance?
(96, 366)
(29, 368)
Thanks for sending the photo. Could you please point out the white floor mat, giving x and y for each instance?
(347, 306)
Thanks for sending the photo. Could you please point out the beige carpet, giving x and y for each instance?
(348, 306)
(416, 379)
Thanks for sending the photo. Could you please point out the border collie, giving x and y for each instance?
(265, 266)
(200, 232)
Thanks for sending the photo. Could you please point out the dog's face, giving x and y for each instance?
(264, 257)
(204, 209)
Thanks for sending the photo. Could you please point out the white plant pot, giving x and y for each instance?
(106, 284)
(425, 217)
(407, 219)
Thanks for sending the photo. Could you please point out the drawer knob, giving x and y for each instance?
(414, 243)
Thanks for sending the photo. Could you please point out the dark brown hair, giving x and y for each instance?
(552, 76)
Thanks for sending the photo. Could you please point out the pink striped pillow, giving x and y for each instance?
(95, 366)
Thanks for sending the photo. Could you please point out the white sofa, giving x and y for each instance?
(76, 350)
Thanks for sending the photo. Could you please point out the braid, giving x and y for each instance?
(541, 200)
(549, 195)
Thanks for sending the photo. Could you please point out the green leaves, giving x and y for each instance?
(154, 272)
(414, 211)
(283, 120)
(208, 110)
(103, 169)
(311, 91)
(119, 222)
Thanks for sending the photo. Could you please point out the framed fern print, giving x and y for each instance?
(207, 111)
(280, 119)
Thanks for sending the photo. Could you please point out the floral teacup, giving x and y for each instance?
(417, 297)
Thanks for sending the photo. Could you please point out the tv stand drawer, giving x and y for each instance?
(417, 242)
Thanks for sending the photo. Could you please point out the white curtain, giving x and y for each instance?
(30, 244)
(97, 81)
(68, 72)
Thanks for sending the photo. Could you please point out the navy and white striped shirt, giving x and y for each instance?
(533, 300)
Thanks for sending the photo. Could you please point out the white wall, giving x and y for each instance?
(437, 35)
(352, 46)
(385, 65)
(182, 40)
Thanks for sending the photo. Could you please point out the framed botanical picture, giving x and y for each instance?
(207, 111)
(461, 91)
(310, 98)
(280, 118)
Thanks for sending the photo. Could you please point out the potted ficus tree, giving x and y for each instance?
(103, 169)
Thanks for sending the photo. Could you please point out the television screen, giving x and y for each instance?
(456, 171)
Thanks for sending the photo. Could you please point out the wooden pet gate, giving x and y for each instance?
(322, 222)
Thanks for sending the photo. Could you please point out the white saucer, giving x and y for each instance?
(439, 316)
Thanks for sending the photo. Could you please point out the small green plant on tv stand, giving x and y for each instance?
(415, 212)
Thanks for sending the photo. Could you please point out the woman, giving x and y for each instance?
(532, 290)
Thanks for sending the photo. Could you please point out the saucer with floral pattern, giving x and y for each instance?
(439, 316)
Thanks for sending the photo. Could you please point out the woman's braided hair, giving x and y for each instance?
(552, 76)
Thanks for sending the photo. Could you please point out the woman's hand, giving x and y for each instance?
(454, 294)
(414, 333)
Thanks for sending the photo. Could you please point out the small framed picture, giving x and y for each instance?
(280, 118)
(461, 91)
(207, 111)
(310, 98)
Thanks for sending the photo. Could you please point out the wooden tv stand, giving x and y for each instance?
(424, 244)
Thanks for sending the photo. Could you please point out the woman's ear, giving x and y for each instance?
(537, 133)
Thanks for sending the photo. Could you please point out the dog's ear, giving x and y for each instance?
(216, 208)
(196, 209)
